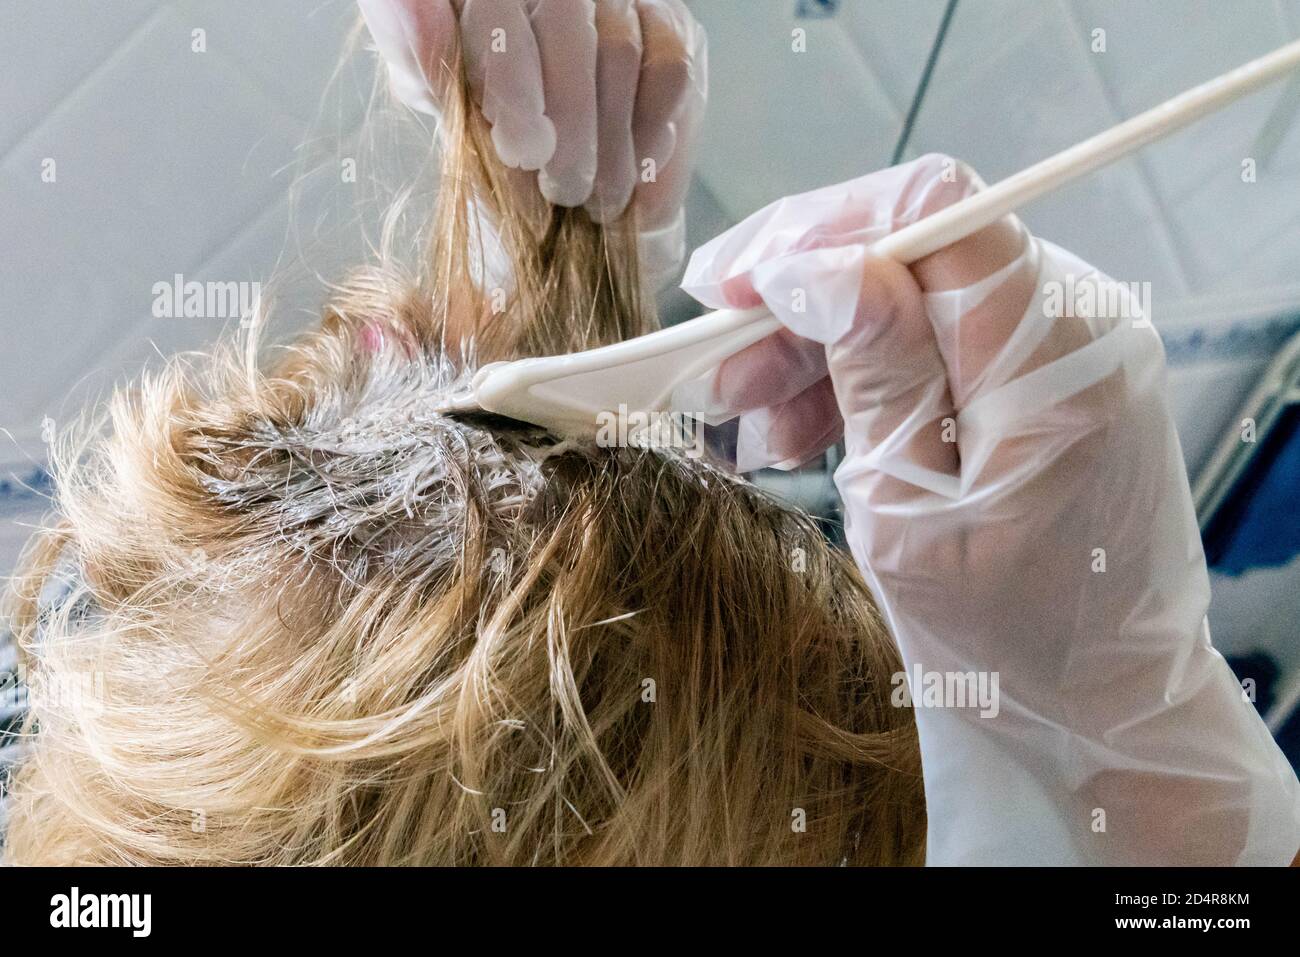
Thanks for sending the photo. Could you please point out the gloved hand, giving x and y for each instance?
(1014, 492)
(603, 98)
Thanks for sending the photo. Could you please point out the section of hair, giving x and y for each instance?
(568, 284)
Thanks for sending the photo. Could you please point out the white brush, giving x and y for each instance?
(570, 394)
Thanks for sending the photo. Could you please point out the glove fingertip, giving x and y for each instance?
(527, 144)
(568, 188)
(787, 465)
(788, 435)
(813, 294)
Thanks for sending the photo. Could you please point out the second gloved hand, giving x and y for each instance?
(602, 98)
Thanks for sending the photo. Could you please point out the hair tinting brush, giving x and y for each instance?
(569, 393)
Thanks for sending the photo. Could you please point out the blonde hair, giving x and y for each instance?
(328, 625)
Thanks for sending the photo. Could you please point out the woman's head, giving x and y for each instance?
(323, 623)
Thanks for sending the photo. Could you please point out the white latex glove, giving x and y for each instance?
(603, 98)
(1120, 736)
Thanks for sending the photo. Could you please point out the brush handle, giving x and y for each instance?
(968, 216)
(986, 207)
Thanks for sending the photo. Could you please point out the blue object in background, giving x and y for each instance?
(815, 9)
(1259, 524)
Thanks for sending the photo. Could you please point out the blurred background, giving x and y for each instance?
(141, 140)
